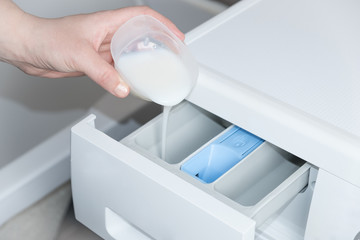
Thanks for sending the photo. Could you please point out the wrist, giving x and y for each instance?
(14, 32)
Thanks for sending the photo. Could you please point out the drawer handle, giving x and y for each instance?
(119, 228)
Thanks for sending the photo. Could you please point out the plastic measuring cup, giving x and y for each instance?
(153, 61)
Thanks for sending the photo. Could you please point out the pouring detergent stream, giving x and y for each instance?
(154, 63)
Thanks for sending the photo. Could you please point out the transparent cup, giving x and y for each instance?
(153, 61)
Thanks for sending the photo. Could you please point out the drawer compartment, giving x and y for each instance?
(157, 199)
(258, 175)
(188, 129)
(215, 159)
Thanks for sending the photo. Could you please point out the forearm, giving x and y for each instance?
(15, 33)
(11, 17)
(21, 38)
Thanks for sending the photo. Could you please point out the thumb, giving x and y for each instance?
(103, 74)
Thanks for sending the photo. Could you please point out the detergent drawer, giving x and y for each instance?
(214, 181)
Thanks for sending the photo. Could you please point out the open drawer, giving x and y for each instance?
(126, 190)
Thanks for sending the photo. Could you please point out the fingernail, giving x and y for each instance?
(121, 91)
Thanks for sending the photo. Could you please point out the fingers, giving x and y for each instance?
(166, 22)
(120, 16)
(103, 74)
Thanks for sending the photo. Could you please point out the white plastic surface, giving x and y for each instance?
(291, 71)
(303, 53)
(143, 193)
(188, 129)
(290, 221)
(154, 196)
(258, 185)
(335, 209)
(119, 228)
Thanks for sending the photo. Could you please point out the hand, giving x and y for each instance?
(68, 46)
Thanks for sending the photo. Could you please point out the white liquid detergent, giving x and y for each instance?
(166, 113)
(158, 75)
(154, 63)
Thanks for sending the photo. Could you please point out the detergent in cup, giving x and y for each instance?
(153, 61)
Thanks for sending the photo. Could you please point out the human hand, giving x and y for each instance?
(70, 46)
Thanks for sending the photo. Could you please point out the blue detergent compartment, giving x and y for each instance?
(222, 154)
